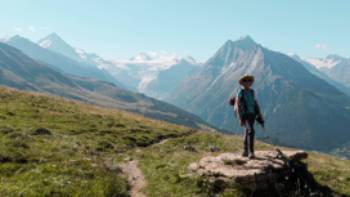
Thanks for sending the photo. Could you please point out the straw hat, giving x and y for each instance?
(246, 77)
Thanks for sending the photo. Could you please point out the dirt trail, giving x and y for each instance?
(134, 174)
(135, 178)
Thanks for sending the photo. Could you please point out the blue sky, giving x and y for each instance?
(120, 29)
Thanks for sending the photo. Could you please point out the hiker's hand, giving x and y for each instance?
(260, 119)
(241, 122)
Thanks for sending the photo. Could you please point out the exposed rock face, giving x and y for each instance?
(271, 173)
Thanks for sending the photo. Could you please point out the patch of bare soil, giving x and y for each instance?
(135, 178)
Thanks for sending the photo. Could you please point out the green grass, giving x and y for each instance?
(82, 145)
(165, 165)
(70, 159)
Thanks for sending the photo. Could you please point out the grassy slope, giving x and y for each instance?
(79, 157)
(167, 164)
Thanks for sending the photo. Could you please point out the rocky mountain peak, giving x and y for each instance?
(334, 57)
(51, 40)
(15, 38)
(55, 43)
(245, 43)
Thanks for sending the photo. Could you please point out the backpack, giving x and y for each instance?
(234, 101)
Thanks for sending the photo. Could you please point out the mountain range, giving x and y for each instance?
(17, 70)
(291, 89)
(167, 80)
(152, 73)
(59, 61)
(145, 72)
(334, 66)
(301, 109)
(319, 73)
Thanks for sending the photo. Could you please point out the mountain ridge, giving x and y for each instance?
(20, 71)
(59, 61)
(287, 91)
(335, 67)
(55, 43)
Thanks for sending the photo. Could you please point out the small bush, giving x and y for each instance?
(42, 131)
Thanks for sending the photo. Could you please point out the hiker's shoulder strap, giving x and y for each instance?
(240, 93)
(254, 94)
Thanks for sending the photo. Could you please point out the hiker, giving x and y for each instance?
(248, 111)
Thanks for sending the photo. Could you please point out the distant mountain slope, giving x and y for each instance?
(19, 71)
(155, 74)
(301, 109)
(335, 67)
(57, 44)
(58, 61)
(316, 71)
(141, 72)
(167, 80)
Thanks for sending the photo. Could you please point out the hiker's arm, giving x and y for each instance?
(258, 110)
(239, 111)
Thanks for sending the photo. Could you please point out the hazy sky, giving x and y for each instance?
(119, 29)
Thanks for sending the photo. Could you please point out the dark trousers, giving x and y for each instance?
(249, 133)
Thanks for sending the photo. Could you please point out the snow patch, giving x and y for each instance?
(323, 62)
(45, 43)
(146, 65)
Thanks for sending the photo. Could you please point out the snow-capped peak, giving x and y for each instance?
(5, 38)
(328, 62)
(55, 43)
(146, 66)
(45, 43)
(85, 55)
(51, 39)
(161, 59)
(157, 60)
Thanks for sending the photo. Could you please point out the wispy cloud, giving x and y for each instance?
(32, 29)
(321, 46)
(25, 29)
(18, 29)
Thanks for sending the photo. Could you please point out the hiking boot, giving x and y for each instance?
(251, 156)
(244, 154)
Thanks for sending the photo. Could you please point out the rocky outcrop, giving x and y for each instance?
(271, 173)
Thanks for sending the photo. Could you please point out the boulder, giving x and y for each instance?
(270, 173)
(248, 173)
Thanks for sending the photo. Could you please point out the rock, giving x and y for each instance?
(214, 149)
(234, 166)
(193, 167)
(190, 148)
(248, 174)
(271, 173)
(111, 165)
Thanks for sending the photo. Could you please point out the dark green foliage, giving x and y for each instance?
(41, 131)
